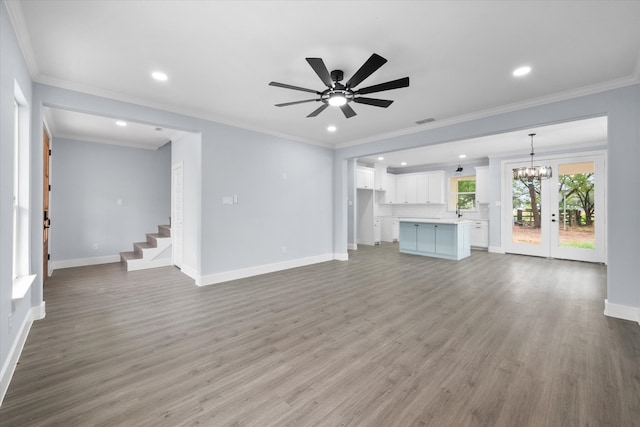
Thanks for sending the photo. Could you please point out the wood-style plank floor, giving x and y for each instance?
(384, 339)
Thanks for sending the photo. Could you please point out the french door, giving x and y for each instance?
(559, 217)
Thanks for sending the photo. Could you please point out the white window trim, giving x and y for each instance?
(452, 200)
(22, 279)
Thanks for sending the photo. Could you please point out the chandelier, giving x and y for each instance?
(531, 172)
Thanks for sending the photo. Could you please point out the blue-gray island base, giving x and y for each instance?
(440, 238)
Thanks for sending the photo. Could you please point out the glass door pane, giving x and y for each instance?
(527, 211)
(527, 218)
(578, 230)
(576, 194)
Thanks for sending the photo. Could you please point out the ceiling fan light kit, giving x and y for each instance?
(340, 95)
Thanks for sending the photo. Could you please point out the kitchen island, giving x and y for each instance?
(440, 238)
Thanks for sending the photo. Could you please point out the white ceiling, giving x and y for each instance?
(104, 130)
(221, 55)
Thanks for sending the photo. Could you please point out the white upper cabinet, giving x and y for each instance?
(482, 184)
(365, 177)
(380, 178)
(406, 188)
(390, 196)
(426, 187)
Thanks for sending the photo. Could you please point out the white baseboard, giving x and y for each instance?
(619, 311)
(81, 262)
(190, 271)
(143, 264)
(341, 256)
(9, 367)
(496, 250)
(352, 246)
(226, 276)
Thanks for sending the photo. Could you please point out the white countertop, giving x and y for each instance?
(436, 220)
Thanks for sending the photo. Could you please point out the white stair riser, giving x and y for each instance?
(150, 253)
(158, 255)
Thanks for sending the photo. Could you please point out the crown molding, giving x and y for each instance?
(150, 146)
(117, 96)
(14, 9)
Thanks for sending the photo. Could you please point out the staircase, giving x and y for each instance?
(155, 252)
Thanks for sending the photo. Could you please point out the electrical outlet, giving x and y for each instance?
(95, 246)
(284, 249)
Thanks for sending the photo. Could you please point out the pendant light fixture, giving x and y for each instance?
(531, 172)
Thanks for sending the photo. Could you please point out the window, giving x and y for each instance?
(462, 193)
(20, 267)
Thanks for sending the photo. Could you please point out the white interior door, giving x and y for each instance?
(560, 217)
(177, 213)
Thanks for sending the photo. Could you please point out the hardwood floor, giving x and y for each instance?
(384, 339)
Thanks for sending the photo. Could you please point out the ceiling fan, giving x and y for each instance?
(340, 95)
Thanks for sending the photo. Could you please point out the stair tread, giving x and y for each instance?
(158, 235)
(159, 241)
(144, 245)
(129, 255)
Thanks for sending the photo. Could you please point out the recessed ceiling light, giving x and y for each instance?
(403, 164)
(121, 123)
(160, 76)
(332, 128)
(522, 71)
(380, 158)
(462, 156)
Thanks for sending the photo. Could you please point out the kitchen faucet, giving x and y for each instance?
(458, 211)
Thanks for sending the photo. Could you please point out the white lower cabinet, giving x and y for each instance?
(390, 229)
(480, 233)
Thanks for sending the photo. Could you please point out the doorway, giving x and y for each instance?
(46, 189)
(559, 217)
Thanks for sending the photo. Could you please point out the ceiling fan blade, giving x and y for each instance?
(295, 102)
(374, 62)
(318, 110)
(347, 110)
(321, 70)
(286, 86)
(394, 84)
(373, 101)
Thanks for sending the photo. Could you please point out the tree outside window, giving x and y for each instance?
(462, 193)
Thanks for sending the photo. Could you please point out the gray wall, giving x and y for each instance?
(272, 211)
(284, 198)
(13, 70)
(88, 181)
